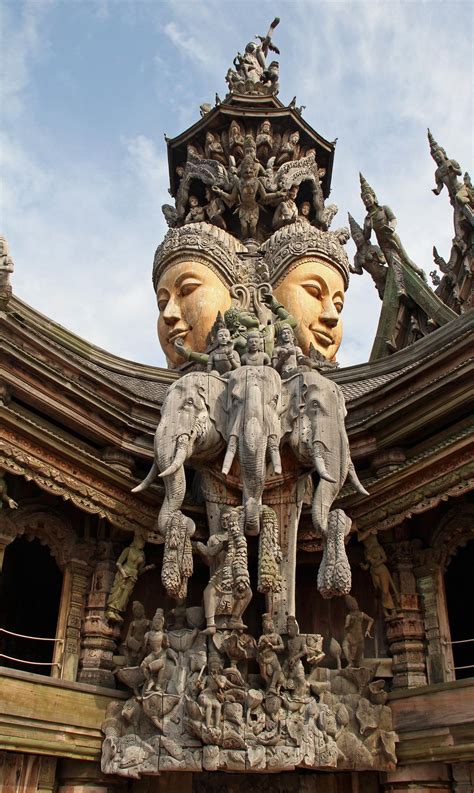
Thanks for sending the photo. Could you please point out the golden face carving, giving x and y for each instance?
(313, 292)
(189, 295)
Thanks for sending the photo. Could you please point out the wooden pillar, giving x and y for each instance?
(430, 583)
(98, 637)
(71, 610)
(405, 629)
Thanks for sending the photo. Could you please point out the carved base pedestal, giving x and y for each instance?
(406, 634)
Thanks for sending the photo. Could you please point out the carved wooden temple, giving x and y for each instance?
(253, 568)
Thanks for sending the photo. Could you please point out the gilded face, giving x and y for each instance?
(313, 292)
(189, 295)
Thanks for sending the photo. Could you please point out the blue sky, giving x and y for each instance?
(88, 89)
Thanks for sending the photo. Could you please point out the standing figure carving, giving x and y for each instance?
(130, 565)
(355, 633)
(228, 592)
(269, 647)
(382, 580)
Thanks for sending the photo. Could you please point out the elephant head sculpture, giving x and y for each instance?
(314, 427)
(192, 420)
(253, 429)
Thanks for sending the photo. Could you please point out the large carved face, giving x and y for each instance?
(313, 292)
(189, 295)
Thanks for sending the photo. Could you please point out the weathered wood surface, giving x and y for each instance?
(46, 716)
(435, 722)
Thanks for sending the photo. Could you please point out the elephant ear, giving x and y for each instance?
(213, 390)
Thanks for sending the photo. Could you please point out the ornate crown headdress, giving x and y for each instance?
(287, 246)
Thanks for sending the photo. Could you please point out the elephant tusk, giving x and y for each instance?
(321, 469)
(352, 476)
(230, 454)
(180, 456)
(151, 476)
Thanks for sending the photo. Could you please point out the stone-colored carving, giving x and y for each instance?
(269, 555)
(6, 269)
(228, 592)
(357, 628)
(382, 580)
(255, 355)
(213, 148)
(196, 213)
(334, 574)
(130, 565)
(286, 211)
(251, 74)
(286, 354)
(289, 149)
(253, 429)
(381, 220)
(269, 647)
(155, 645)
(133, 646)
(224, 359)
(248, 192)
(178, 555)
(368, 257)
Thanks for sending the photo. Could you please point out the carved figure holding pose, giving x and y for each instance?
(228, 590)
(382, 580)
(196, 213)
(155, 644)
(286, 355)
(297, 650)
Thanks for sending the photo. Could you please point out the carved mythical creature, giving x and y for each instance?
(368, 257)
(251, 74)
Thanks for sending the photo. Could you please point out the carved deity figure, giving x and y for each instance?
(382, 221)
(224, 359)
(354, 632)
(213, 148)
(382, 580)
(248, 192)
(236, 140)
(134, 641)
(255, 356)
(368, 257)
(155, 645)
(286, 211)
(214, 209)
(196, 213)
(297, 650)
(304, 212)
(228, 591)
(269, 647)
(212, 690)
(130, 565)
(460, 193)
(264, 141)
(290, 149)
(286, 354)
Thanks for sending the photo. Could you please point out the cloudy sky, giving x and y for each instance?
(89, 87)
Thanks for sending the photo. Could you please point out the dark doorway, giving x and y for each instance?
(459, 583)
(30, 593)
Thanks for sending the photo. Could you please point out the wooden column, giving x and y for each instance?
(98, 637)
(430, 583)
(406, 630)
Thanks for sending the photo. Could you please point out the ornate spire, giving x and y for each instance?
(365, 188)
(353, 225)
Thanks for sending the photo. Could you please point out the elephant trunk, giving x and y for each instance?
(252, 449)
(173, 477)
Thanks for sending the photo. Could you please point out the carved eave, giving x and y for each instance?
(419, 408)
(396, 315)
(255, 108)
